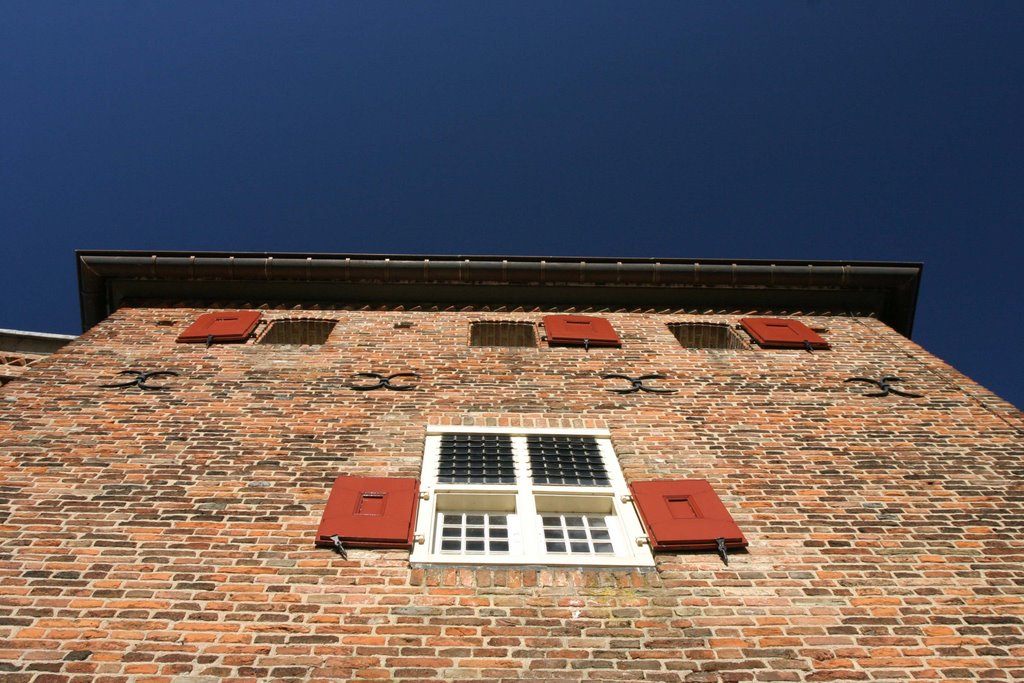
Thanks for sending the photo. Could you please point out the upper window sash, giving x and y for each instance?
(524, 475)
(566, 460)
(476, 459)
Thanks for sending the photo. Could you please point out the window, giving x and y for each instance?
(706, 336)
(298, 331)
(555, 497)
(550, 497)
(502, 334)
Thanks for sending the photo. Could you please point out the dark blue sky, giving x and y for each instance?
(786, 130)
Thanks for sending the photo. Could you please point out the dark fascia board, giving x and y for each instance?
(106, 279)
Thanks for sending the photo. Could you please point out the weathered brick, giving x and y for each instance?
(167, 535)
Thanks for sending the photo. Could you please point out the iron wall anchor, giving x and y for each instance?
(638, 384)
(141, 379)
(384, 381)
(885, 386)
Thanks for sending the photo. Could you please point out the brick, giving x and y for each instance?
(883, 533)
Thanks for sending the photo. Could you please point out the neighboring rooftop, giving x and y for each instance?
(35, 343)
(110, 279)
(20, 349)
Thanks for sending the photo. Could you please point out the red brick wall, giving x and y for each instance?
(167, 536)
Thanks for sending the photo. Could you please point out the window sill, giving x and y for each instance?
(504, 563)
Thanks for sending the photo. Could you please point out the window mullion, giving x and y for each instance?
(526, 507)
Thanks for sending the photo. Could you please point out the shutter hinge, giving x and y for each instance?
(420, 539)
(424, 495)
(643, 540)
(626, 498)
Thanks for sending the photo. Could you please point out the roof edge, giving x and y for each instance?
(477, 276)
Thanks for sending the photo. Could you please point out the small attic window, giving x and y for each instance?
(310, 332)
(706, 336)
(502, 334)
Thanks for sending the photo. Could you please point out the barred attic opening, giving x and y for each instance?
(502, 333)
(706, 336)
(298, 331)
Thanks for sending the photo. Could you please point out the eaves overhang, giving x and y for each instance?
(108, 280)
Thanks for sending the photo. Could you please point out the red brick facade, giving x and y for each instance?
(168, 535)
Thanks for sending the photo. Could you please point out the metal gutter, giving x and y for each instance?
(106, 278)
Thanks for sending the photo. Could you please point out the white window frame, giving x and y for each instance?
(520, 502)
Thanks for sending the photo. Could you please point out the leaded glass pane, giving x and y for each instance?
(474, 533)
(476, 459)
(568, 460)
(575, 534)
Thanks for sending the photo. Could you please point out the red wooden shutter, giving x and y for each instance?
(368, 512)
(685, 514)
(578, 330)
(223, 326)
(783, 333)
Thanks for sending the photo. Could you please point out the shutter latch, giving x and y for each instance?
(722, 551)
(336, 540)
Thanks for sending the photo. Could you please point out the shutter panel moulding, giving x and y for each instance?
(370, 512)
(782, 333)
(580, 330)
(221, 327)
(685, 514)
